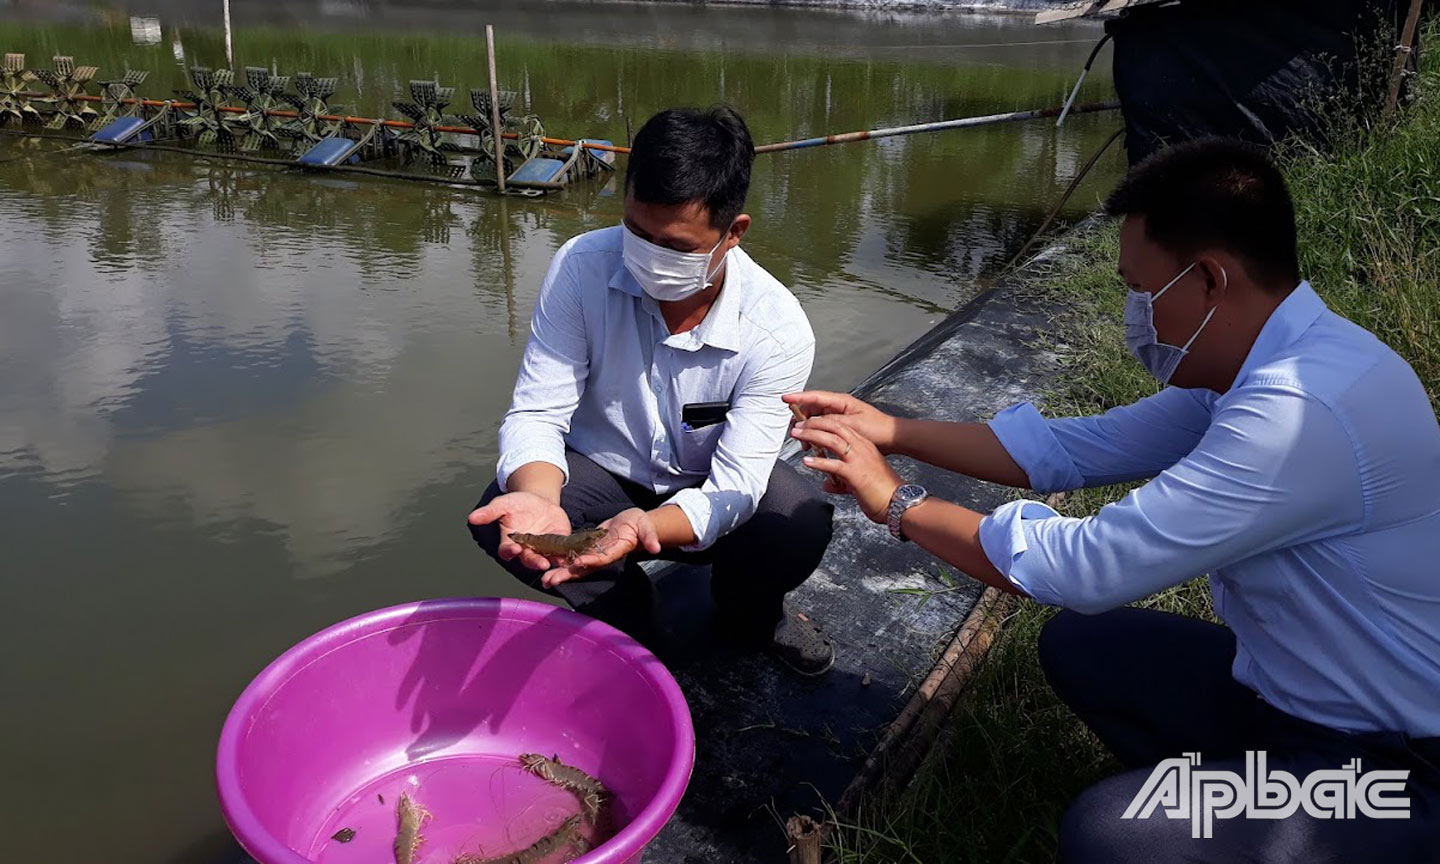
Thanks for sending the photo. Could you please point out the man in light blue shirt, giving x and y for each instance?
(1294, 458)
(648, 405)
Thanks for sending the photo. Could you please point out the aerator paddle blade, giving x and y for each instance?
(257, 78)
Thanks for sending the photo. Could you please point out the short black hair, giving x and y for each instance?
(683, 155)
(1216, 193)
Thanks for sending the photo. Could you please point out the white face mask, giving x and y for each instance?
(666, 274)
(1158, 358)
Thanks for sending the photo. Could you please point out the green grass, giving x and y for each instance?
(1369, 219)
(1368, 211)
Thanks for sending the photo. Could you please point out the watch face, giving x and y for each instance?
(909, 492)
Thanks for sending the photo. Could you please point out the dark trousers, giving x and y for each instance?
(1153, 686)
(753, 567)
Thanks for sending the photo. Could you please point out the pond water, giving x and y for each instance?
(239, 404)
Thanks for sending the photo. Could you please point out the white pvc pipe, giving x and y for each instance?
(1071, 101)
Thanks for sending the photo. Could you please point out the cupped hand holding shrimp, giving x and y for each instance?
(857, 468)
(628, 530)
(522, 513)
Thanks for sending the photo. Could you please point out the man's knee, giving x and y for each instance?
(791, 541)
(1092, 830)
(1085, 834)
(487, 537)
(812, 523)
(784, 541)
(794, 510)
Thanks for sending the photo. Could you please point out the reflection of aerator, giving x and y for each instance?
(220, 119)
(289, 121)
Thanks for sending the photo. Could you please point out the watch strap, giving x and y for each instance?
(898, 506)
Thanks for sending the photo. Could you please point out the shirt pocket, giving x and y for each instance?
(695, 449)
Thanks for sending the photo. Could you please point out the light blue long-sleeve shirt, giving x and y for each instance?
(1310, 492)
(603, 375)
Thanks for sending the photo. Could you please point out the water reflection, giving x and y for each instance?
(221, 344)
(241, 403)
(219, 318)
(145, 31)
(232, 315)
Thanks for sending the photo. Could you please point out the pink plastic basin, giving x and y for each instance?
(436, 700)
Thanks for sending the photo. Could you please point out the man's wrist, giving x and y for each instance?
(547, 495)
(544, 480)
(672, 525)
(908, 517)
(896, 445)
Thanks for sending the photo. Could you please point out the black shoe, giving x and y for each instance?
(801, 645)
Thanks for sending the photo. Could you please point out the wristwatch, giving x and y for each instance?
(905, 497)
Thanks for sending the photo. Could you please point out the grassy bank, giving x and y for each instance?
(1369, 219)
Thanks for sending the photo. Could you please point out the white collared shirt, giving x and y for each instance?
(603, 375)
(1308, 492)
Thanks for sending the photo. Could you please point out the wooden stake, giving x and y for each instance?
(1402, 56)
(804, 836)
(495, 110)
(229, 54)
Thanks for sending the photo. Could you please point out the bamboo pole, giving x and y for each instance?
(961, 669)
(907, 739)
(229, 53)
(805, 839)
(1402, 56)
(495, 109)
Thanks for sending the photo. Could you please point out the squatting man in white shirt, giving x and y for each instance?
(649, 404)
(1294, 458)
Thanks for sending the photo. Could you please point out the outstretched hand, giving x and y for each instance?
(628, 530)
(877, 426)
(522, 513)
(856, 466)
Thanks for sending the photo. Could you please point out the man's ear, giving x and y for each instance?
(739, 227)
(1217, 276)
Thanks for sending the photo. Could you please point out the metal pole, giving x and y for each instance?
(963, 123)
(1083, 72)
(1071, 101)
(229, 54)
(495, 110)
(1402, 56)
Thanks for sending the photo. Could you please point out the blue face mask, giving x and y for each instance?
(1158, 358)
